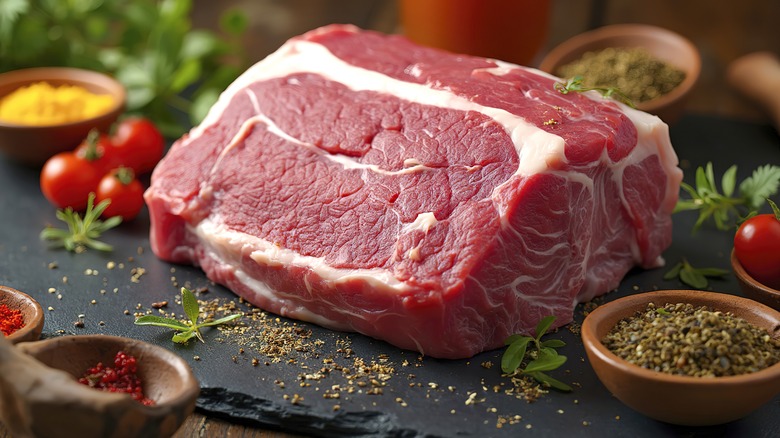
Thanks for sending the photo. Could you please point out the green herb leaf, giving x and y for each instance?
(576, 84)
(220, 321)
(726, 210)
(514, 355)
(694, 277)
(554, 383)
(161, 322)
(81, 233)
(543, 357)
(185, 332)
(190, 304)
(547, 360)
(543, 326)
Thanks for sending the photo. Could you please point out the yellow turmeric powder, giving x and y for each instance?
(41, 104)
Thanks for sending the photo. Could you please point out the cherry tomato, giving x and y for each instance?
(757, 246)
(138, 144)
(66, 180)
(125, 192)
(97, 149)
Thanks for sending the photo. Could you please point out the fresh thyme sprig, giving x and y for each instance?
(81, 233)
(728, 209)
(694, 277)
(543, 358)
(185, 330)
(576, 84)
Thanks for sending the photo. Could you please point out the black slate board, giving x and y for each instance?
(235, 389)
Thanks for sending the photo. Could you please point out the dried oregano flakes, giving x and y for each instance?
(683, 339)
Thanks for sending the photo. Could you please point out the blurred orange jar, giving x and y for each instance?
(509, 30)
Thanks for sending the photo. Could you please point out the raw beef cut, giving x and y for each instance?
(435, 201)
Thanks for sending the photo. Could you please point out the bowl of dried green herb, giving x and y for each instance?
(654, 67)
(686, 357)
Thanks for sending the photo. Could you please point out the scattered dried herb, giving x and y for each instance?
(727, 209)
(189, 329)
(636, 72)
(692, 341)
(81, 233)
(694, 277)
(543, 358)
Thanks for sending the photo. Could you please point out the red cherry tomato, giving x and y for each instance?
(66, 180)
(125, 192)
(138, 144)
(757, 246)
(97, 149)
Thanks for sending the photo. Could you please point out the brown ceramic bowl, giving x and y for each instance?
(33, 145)
(31, 312)
(663, 44)
(683, 400)
(753, 289)
(69, 408)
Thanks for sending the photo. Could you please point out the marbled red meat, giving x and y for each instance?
(435, 201)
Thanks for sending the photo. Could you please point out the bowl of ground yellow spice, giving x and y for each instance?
(686, 357)
(653, 67)
(48, 110)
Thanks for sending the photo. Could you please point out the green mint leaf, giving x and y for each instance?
(729, 181)
(554, 383)
(544, 325)
(161, 322)
(514, 338)
(514, 355)
(190, 304)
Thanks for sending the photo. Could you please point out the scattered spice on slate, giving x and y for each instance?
(682, 339)
(11, 319)
(634, 71)
(122, 378)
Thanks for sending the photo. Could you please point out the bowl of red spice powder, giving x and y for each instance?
(21, 317)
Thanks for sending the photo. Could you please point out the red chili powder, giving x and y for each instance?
(11, 320)
(121, 378)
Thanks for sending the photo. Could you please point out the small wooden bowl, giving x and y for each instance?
(31, 312)
(753, 289)
(33, 145)
(71, 409)
(663, 44)
(683, 400)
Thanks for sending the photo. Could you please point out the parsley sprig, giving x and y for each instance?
(81, 233)
(576, 84)
(189, 329)
(694, 277)
(544, 357)
(730, 205)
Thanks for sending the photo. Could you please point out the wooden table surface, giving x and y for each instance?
(735, 29)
